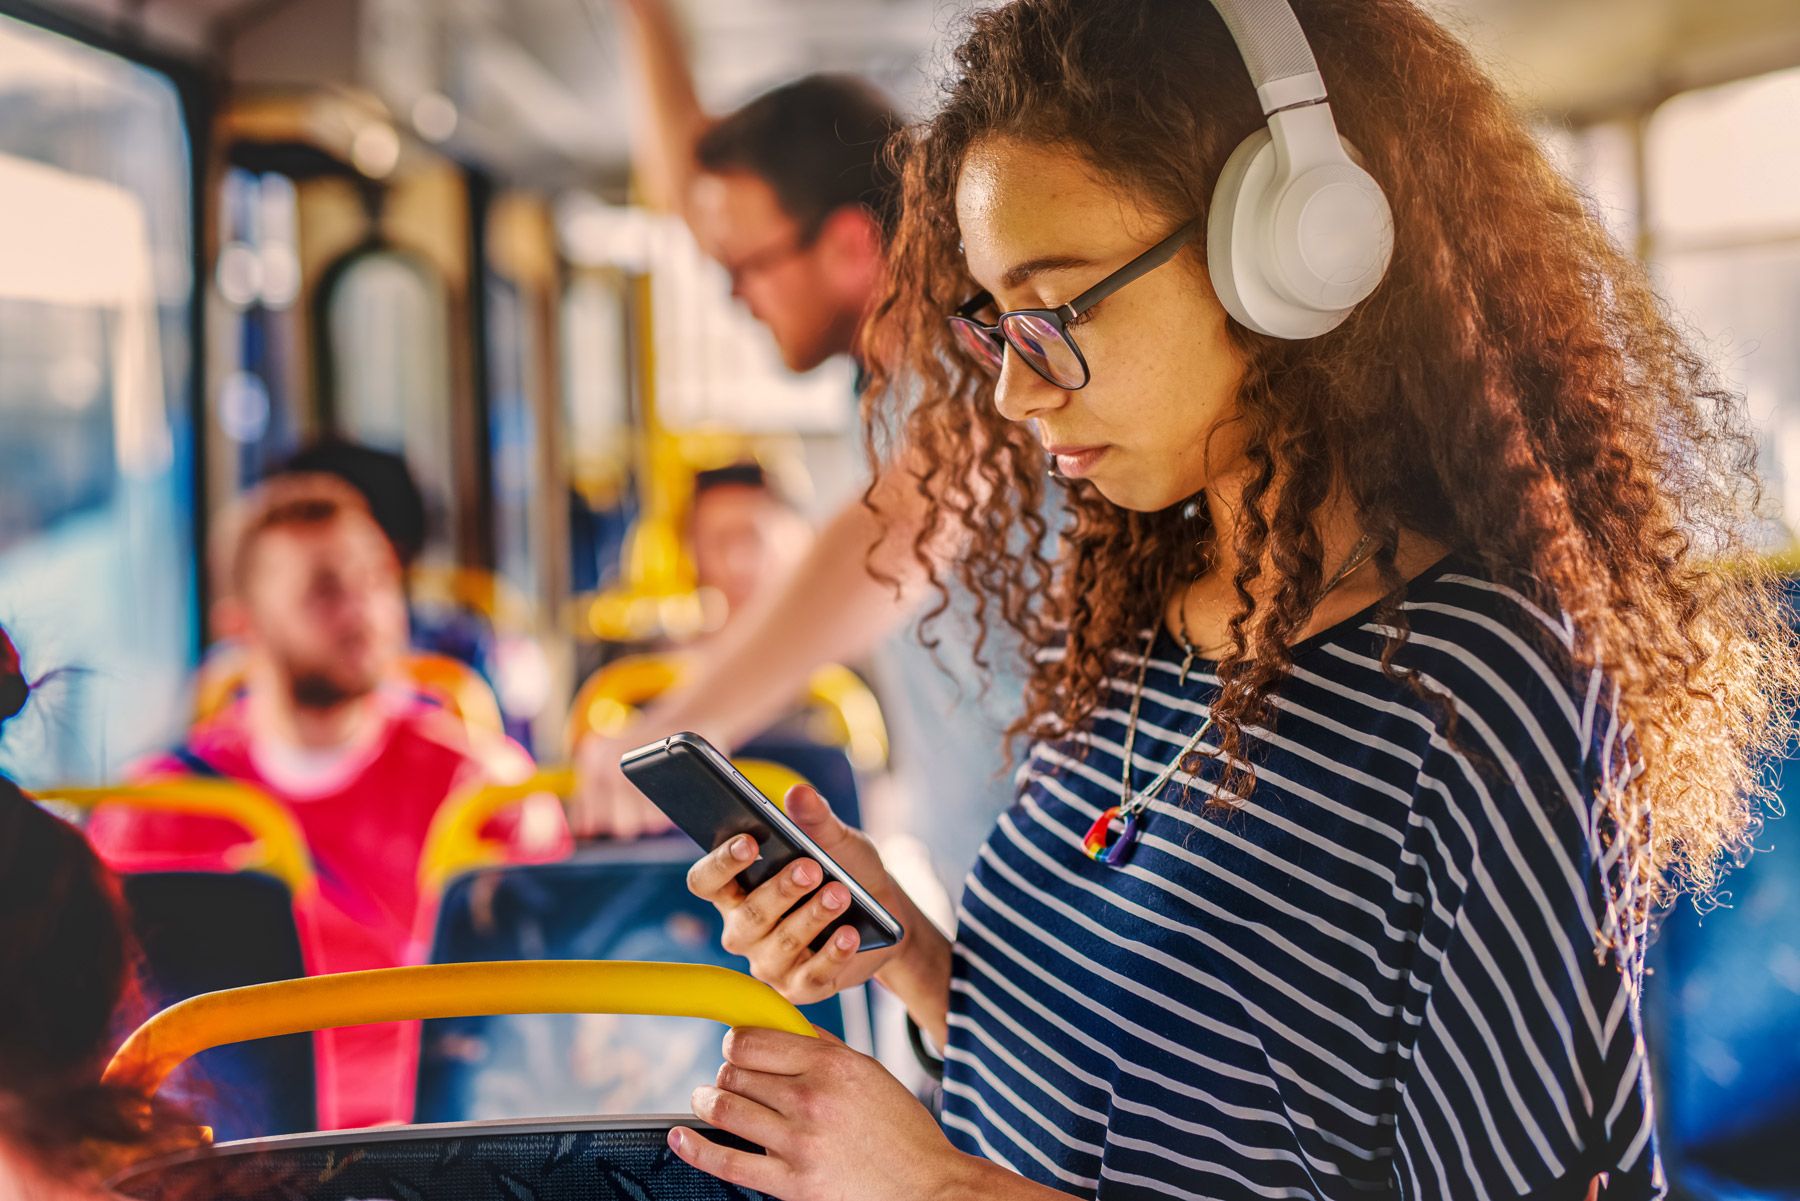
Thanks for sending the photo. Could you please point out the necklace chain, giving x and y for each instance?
(1133, 803)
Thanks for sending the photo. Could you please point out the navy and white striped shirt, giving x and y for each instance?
(1379, 976)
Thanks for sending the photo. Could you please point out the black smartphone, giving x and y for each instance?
(687, 778)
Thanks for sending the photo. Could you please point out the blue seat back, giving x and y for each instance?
(1722, 1010)
(205, 931)
(826, 768)
(625, 901)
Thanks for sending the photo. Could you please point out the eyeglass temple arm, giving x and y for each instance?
(973, 305)
(1142, 265)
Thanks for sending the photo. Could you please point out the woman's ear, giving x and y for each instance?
(851, 247)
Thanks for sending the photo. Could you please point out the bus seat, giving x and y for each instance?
(611, 902)
(842, 715)
(472, 590)
(849, 714)
(454, 843)
(827, 768)
(276, 846)
(205, 931)
(219, 680)
(1722, 1010)
(566, 1159)
(459, 689)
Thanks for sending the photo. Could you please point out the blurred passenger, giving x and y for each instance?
(66, 989)
(743, 534)
(793, 195)
(312, 589)
(393, 497)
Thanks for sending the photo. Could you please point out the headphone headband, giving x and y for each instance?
(1298, 233)
(1274, 48)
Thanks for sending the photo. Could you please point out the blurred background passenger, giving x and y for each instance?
(66, 990)
(792, 194)
(311, 588)
(743, 534)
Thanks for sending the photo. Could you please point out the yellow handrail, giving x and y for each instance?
(277, 846)
(460, 688)
(454, 844)
(444, 990)
(612, 695)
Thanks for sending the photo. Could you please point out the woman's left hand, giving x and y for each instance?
(833, 1122)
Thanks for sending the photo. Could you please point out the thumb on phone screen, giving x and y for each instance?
(813, 814)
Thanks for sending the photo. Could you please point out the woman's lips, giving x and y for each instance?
(1076, 461)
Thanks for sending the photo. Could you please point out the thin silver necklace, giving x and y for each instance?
(1100, 844)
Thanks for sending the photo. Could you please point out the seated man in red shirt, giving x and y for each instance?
(312, 590)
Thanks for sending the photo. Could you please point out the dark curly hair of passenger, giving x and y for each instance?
(68, 986)
(1514, 390)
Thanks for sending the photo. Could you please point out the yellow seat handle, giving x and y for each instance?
(278, 845)
(454, 844)
(445, 990)
(611, 697)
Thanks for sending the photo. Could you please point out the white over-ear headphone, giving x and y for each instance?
(1298, 232)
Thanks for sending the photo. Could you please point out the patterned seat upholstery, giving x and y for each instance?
(628, 1160)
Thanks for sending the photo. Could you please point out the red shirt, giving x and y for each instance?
(365, 824)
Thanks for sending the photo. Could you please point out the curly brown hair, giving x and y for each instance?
(69, 964)
(1514, 391)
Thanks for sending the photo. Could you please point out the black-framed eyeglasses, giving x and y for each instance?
(1041, 336)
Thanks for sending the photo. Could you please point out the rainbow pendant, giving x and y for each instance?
(1100, 844)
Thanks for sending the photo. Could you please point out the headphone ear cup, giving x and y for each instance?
(1229, 242)
(1249, 261)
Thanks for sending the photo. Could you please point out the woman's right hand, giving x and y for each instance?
(777, 943)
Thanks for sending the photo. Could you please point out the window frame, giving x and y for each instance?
(198, 92)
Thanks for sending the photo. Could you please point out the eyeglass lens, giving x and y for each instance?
(1041, 343)
(1046, 348)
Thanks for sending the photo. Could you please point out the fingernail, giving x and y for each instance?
(832, 897)
(743, 848)
(844, 938)
(806, 873)
(676, 1138)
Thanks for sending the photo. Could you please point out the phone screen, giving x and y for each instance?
(687, 778)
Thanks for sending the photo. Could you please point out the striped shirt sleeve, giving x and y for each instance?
(1528, 1075)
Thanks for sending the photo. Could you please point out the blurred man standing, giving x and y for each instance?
(793, 196)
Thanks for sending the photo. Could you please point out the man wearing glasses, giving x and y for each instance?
(792, 196)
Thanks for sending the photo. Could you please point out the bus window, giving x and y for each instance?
(596, 446)
(513, 432)
(96, 552)
(1723, 233)
(388, 322)
(716, 367)
(255, 330)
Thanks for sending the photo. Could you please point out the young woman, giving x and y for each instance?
(67, 964)
(1387, 679)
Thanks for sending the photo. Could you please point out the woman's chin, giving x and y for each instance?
(1137, 495)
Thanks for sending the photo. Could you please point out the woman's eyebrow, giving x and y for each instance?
(1020, 272)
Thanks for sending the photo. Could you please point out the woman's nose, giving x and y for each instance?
(1021, 394)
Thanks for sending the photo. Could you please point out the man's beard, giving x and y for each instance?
(320, 690)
